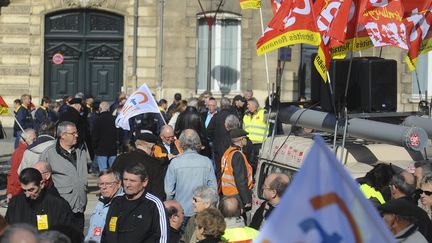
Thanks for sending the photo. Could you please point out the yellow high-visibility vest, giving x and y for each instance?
(369, 192)
(256, 126)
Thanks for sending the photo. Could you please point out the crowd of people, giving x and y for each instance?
(182, 175)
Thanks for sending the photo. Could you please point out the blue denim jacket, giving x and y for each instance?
(185, 173)
(97, 219)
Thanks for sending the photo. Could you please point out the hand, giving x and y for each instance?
(248, 206)
(8, 198)
(171, 156)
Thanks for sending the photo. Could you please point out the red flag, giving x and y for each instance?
(3, 106)
(276, 5)
(294, 23)
(332, 19)
(383, 22)
(418, 20)
(356, 37)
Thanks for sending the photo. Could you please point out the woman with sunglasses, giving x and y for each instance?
(426, 194)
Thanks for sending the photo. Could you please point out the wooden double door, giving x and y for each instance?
(87, 46)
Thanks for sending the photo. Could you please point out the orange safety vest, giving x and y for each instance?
(228, 186)
(158, 151)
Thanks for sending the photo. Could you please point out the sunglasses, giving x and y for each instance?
(427, 193)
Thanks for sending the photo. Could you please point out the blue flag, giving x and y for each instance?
(324, 204)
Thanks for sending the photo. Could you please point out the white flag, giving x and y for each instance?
(324, 204)
(141, 101)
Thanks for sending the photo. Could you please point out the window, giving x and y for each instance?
(225, 53)
(424, 71)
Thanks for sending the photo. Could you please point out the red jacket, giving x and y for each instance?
(13, 184)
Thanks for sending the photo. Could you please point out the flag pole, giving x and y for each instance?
(265, 58)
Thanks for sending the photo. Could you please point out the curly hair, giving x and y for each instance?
(212, 221)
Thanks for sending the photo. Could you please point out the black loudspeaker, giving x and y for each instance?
(372, 85)
(378, 81)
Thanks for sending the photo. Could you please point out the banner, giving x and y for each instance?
(250, 4)
(332, 22)
(141, 101)
(4, 108)
(294, 23)
(276, 5)
(356, 37)
(324, 204)
(383, 22)
(418, 21)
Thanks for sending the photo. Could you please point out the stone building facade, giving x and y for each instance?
(106, 49)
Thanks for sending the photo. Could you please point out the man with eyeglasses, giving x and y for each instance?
(145, 141)
(46, 171)
(35, 206)
(110, 187)
(272, 190)
(167, 147)
(68, 160)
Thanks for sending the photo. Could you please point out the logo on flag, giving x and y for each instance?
(324, 204)
(141, 101)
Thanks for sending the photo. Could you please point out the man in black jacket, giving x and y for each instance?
(138, 216)
(143, 155)
(105, 137)
(36, 206)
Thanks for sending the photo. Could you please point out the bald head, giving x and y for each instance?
(44, 168)
(278, 182)
(175, 213)
(104, 106)
(230, 207)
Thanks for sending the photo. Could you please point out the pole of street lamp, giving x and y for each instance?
(209, 54)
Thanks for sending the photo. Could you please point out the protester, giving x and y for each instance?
(35, 206)
(143, 155)
(13, 185)
(240, 105)
(236, 230)
(398, 214)
(137, 216)
(248, 94)
(422, 168)
(46, 171)
(426, 194)
(222, 139)
(42, 142)
(69, 165)
(203, 197)
(120, 96)
(376, 181)
(236, 179)
(105, 138)
(72, 114)
(163, 106)
(272, 190)
(20, 233)
(23, 117)
(42, 113)
(171, 108)
(190, 119)
(175, 214)
(188, 171)
(210, 226)
(65, 105)
(109, 184)
(254, 123)
(167, 147)
(403, 185)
